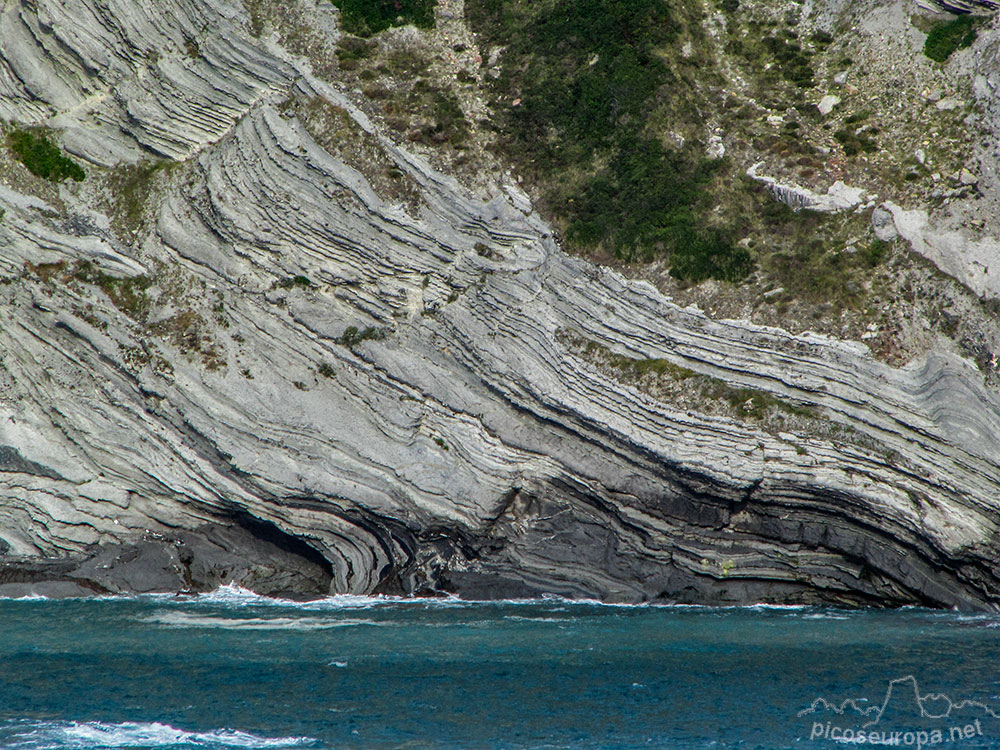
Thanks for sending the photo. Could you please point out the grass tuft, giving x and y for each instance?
(946, 38)
(42, 157)
(353, 336)
(131, 186)
(367, 17)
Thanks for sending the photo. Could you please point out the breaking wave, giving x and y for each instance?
(192, 620)
(74, 735)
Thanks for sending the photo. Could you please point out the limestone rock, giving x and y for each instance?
(838, 197)
(313, 386)
(969, 260)
(715, 149)
(827, 103)
(883, 225)
(949, 104)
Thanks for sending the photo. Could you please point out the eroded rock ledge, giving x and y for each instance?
(305, 384)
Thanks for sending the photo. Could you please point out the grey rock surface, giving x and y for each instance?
(883, 224)
(220, 422)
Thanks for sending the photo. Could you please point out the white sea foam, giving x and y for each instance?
(825, 616)
(193, 620)
(778, 607)
(25, 598)
(232, 595)
(73, 735)
(522, 618)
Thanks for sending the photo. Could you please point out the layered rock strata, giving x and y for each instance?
(299, 381)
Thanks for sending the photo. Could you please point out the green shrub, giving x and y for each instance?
(130, 187)
(447, 123)
(353, 48)
(793, 61)
(875, 253)
(128, 294)
(367, 17)
(352, 336)
(854, 143)
(42, 157)
(950, 36)
(588, 74)
(289, 281)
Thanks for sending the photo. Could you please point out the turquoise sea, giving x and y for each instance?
(235, 670)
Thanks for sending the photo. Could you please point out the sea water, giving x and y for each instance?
(235, 670)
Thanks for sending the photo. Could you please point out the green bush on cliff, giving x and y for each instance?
(42, 157)
(367, 17)
(950, 36)
(584, 89)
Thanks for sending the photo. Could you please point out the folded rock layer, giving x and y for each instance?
(297, 381)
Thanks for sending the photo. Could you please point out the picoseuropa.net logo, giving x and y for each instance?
(903, 718)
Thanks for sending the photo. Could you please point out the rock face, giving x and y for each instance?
(838, 197)
(298, 381)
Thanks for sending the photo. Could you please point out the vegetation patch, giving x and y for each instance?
(586, 90)
(352, 49)
(352, 335)
(130, 186)
(294, 281)
(190, 333)
(46, 272)
(854, 143)
(684, 387)
(947, 37)
(128, 294)
(794, 63)
(818, 259)
(367, 17)
(42, 157)
(443, 121)
(334, 129)
(640, 367)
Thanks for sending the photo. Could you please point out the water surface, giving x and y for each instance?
(232, 669)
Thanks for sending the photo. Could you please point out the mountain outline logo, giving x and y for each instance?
(905, 688)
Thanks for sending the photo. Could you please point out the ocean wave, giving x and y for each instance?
(232, 596)
(523, 618)
(825, 616)
(74, 735)
(26, 598)
(193, 620)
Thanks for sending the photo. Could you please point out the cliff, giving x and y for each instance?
(267, 341)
